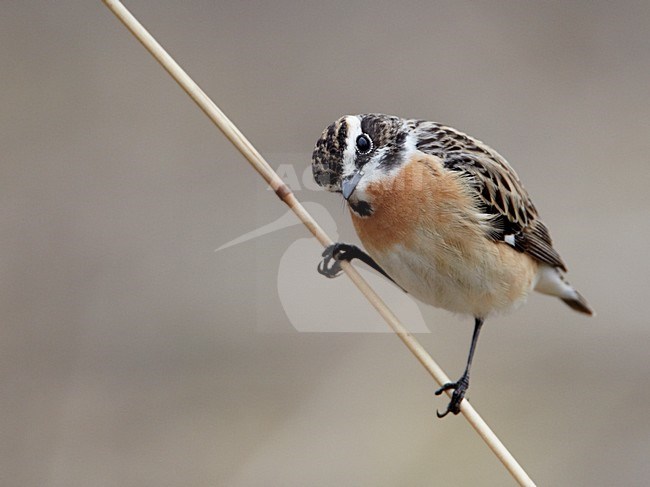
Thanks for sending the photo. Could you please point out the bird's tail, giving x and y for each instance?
(551, 281)
(579, 303)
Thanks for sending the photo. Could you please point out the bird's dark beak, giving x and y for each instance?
(349, 184)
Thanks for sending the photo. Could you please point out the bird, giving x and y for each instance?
(441, 214)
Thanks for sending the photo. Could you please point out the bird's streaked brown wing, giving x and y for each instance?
(500, 193)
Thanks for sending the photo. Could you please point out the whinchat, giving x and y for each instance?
(442, 215)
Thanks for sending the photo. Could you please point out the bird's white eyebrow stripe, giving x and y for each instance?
(354, 130)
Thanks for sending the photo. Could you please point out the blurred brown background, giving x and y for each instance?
(132, 354)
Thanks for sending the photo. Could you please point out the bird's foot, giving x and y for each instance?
(330, 266)
(460, 388)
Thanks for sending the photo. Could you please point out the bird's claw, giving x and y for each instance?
(330, 266)
(459, 387)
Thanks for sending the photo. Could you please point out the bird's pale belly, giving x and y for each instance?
(497, 281)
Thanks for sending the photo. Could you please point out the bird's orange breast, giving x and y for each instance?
(421, 196)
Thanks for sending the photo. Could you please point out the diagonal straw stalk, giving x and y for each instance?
(286, 195)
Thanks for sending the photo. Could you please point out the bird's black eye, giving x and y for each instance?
(364, 144)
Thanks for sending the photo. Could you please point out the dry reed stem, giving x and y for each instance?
(286, 195)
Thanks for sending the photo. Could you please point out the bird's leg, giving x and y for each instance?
(461, 385)
(330, 266)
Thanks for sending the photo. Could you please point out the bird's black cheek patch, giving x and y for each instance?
(361, 208)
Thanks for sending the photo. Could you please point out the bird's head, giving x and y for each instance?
(358, 150)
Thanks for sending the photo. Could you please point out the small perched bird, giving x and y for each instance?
(442, 215)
